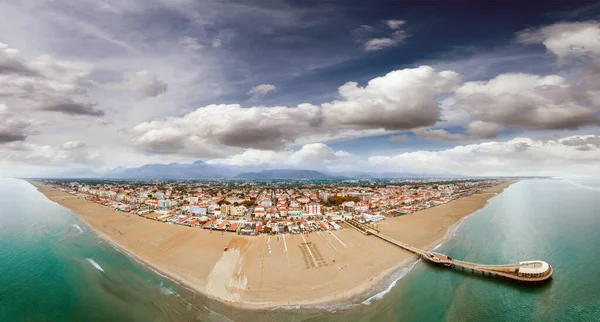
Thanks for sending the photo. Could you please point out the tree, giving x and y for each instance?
(338, 200)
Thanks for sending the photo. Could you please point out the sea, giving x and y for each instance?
(53, 267)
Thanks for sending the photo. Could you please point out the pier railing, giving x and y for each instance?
(508, 271)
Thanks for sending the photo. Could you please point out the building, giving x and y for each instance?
(238, 211)
(313, 208)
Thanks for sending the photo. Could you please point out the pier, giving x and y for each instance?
(527, 272)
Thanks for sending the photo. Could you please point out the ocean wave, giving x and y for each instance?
(597, 189)
(164, 290)
(96, 265)
(333, 307)
(318, 307)
(78, 228)
(400, 274)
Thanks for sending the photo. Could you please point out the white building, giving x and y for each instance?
(313, 208)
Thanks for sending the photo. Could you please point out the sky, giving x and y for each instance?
(466, 88)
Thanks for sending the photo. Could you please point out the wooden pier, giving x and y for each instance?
(528, 272)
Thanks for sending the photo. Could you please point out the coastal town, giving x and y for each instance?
(297, 230)
(252, 208)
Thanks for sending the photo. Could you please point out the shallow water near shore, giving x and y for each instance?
(53, 267)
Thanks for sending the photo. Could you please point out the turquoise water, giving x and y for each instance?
(53, 268)
(551, 220)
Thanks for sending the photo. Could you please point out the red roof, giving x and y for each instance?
(208, 223)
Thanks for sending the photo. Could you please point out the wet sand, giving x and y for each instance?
(271, 271)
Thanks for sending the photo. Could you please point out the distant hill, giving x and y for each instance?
(203, 170)
(196, 170)
(286, 174)
(388, 175)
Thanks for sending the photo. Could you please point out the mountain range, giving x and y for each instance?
(203, 170)
(287, 174)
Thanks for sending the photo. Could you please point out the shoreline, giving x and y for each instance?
(457, 224)
(436, 244)
(243, 298)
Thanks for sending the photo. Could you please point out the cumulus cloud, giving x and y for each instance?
(10, 62)
(533, 102)
(46, 83)
(315, 156)
(67, 153)
(264, 128)
(400, 100)
(13, 127)
(395, 24)
(566, 39)
(259, 91)
(582, 143)
(144, 82)
(309, 156)
(253, 157)
(520, 156)
(525, 101)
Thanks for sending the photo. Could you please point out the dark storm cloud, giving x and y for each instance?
(13, 127)
(583, 143)
(69, 106)
(11, 137)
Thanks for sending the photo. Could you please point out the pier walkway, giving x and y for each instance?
(531, 272)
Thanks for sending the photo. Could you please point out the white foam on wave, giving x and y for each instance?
(164, 290)
(318, 307)
(401, 273)
(78, 228)
(96, 265)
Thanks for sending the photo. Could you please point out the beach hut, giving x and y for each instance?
(208, 224)
(222, 225)
(233, 227)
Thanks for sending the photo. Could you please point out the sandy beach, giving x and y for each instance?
(270, 271)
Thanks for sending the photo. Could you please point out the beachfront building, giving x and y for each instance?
(371, 216)
(293, 208)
